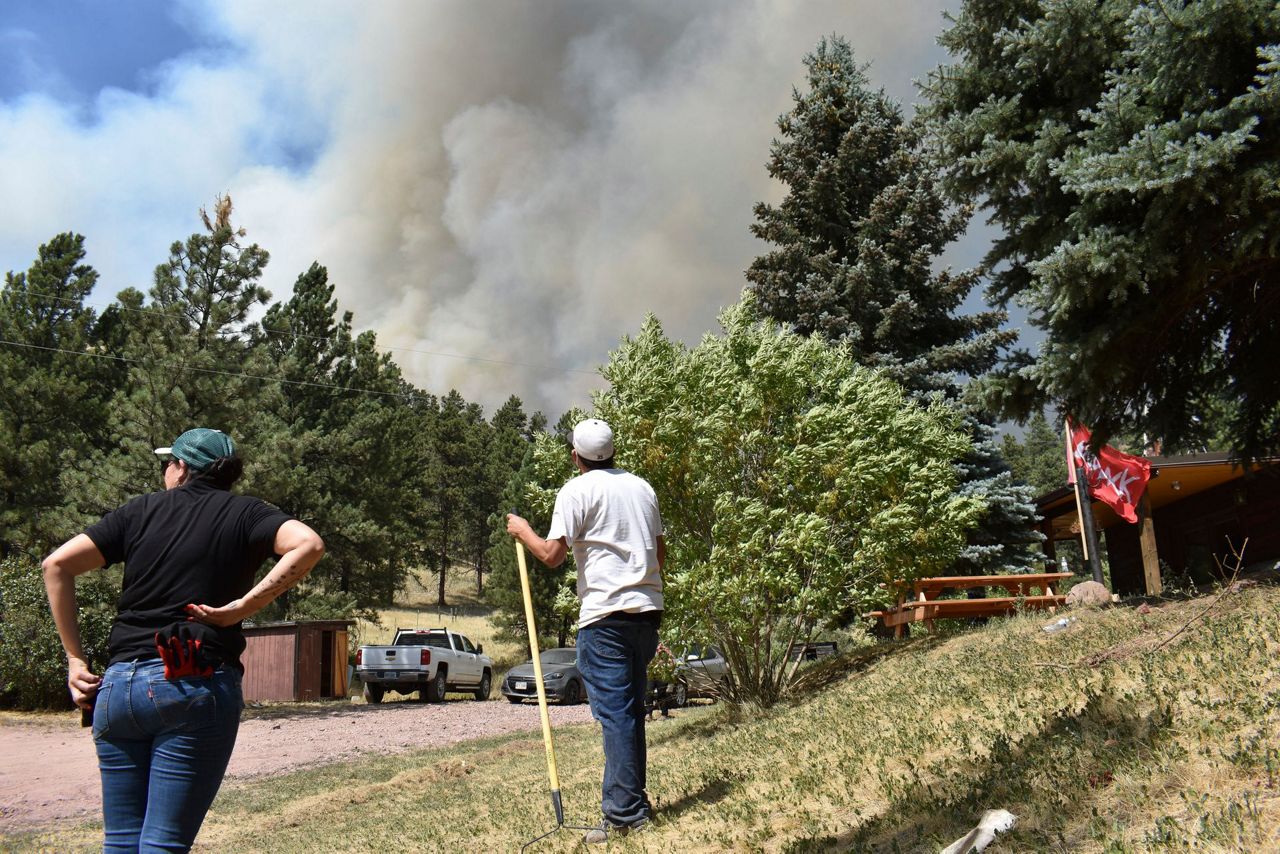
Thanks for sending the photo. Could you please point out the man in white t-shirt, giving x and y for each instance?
(610, 519)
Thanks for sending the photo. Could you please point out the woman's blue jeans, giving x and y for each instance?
(163, 746)
(614, 662)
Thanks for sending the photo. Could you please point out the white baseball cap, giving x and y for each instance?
(593, 440)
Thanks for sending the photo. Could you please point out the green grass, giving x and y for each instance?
(1099, 739)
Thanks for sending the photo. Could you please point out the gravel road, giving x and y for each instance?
(49, 773)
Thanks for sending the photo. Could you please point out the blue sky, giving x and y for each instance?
(72, 49)
(505, 181)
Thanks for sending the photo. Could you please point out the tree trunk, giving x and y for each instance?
(444, 564)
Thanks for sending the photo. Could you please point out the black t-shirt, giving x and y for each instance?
(193, 544)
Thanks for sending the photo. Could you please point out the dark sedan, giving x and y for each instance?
(560, 676)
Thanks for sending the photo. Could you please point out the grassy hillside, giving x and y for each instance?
(1121, 734)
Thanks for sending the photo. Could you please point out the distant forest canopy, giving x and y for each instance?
(398, 479)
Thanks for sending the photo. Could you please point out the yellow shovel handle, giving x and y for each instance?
(552, 775)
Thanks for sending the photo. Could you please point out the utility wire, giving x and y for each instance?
(175, 367)
(285, 333)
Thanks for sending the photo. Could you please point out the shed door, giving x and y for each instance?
(326, 664)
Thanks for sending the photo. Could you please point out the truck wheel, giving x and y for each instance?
(486, 683)
(681, 698)
(436, 687)
(372, 693)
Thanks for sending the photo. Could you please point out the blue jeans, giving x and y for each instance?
(614, 662)
(163, 747)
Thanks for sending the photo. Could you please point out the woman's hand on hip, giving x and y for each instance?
(83, 683)
(227, 615)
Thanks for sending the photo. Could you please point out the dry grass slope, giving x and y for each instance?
(1140, 749)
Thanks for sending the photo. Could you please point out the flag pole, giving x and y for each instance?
(1089, 531)
(1075, 479)
(1084, 511)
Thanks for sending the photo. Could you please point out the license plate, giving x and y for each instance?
(390, 674)
(520, 686)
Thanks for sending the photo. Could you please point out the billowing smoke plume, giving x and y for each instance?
(516, 182)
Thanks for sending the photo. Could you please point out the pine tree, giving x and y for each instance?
(206, 291)
(1039, 460)
(544, 468)
(1128, 151)
(856, 238)
(189, 361)
(507, 445)
(52, 386)
(343, 431)
(459, 446)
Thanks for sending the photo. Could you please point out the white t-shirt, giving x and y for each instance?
(610, 519)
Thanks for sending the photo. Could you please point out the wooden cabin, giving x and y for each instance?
(1201, 505)
(303, 660)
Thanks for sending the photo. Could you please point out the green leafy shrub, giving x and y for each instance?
(793, 485)
(33, 672)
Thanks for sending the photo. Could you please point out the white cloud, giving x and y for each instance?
(509, 180)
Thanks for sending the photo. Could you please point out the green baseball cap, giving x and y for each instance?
(198, 448)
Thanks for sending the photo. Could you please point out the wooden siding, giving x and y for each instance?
(268, 660)
(296, 661)
(1191, 533)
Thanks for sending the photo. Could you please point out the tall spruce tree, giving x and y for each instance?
(859, 231)
(856, 240)
(1128, 150)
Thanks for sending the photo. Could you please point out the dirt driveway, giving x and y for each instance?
(49, 773)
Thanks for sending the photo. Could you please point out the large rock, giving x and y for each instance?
(1088, 594)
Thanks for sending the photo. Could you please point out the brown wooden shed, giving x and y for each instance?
(304, 660)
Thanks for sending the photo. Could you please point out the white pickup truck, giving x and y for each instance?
(429, 661)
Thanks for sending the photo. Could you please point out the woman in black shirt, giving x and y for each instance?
(166, 711)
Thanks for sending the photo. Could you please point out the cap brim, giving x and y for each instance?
(163, 451)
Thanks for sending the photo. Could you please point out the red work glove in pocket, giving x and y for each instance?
(181, 652)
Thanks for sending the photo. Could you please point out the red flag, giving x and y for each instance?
(1115, 478)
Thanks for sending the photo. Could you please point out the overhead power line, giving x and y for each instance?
(288, 333)
(177, 367)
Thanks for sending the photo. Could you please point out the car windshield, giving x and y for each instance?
(559, 656)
